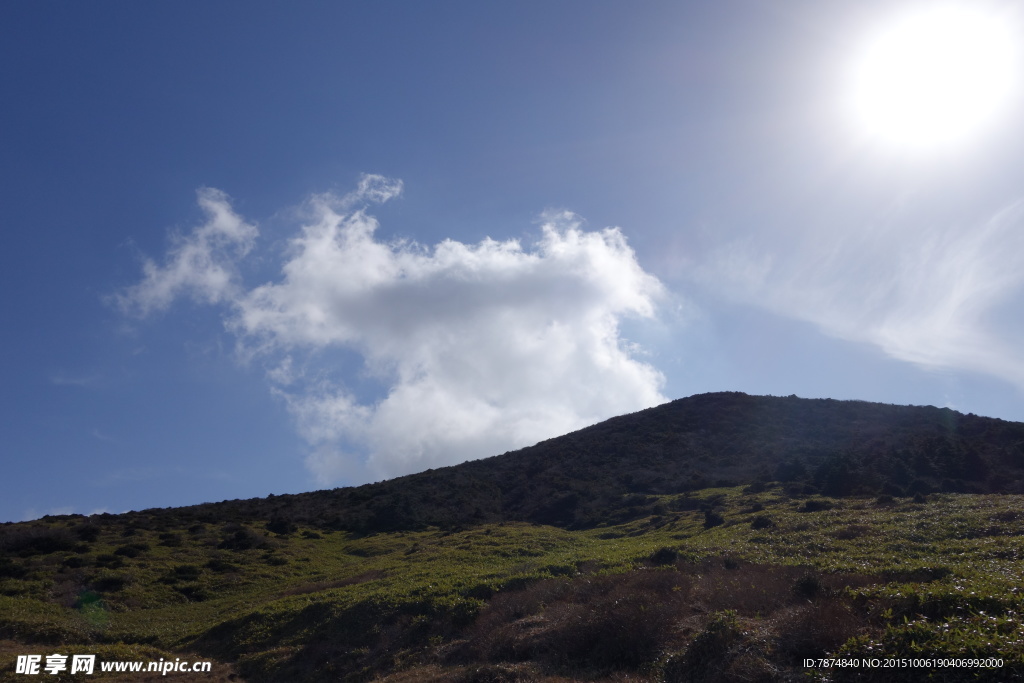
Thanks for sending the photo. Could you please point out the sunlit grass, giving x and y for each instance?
(948, 567)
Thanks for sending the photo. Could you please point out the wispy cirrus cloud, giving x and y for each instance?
(479, 348)
(929, 295)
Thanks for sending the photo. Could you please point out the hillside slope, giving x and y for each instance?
(606, 472)
(716, 538)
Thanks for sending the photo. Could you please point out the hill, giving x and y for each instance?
(716, 538)
(613, 470)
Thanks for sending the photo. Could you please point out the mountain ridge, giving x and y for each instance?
(578, 480)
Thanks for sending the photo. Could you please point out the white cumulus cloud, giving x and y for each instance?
(478, 348)
(200, 265)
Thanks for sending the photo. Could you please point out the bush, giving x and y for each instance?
(109, 560)
(281, 526)
(807, 587)
(193, 592)
(747, 589)
(187, 572)
(110, 583)
(240, 537)
(708, 654)
(612, 622)
(132, 549)
(816, 629)
(712, 519)
(220, 566)
(687, 502)
(816, 505)
(171, 540)
(11, 569)
(26, 541)
(664, 556)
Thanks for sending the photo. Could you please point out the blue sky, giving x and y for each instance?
(258, 248)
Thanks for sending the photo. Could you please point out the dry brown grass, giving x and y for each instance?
(604, 623)
(724, 619)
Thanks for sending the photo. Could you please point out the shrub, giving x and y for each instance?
(110, 583)
(612, 622)
(132, 549)
(816, 629)
(193, 592)
(664, 556)
(807, 586)
(708, 654)
(687, 502)
(712, 519)
(11, 569)
(748, 589)
(187, 572)
(171, 540)
(109, 561)
(26, 541)
(816, 505)
(220, 566)
(240, 537)
(281, 526)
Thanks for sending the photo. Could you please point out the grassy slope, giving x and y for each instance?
(751, 596)
(576, 481)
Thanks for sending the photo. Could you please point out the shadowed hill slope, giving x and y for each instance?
(604, 473)
(686, 578)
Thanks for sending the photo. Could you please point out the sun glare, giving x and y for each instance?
(934, 78)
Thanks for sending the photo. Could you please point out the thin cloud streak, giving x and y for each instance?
(922, 296)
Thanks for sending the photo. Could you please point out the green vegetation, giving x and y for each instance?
(717, 538)
(614, 471)
(663, 597)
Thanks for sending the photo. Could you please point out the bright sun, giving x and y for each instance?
(934, 77)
